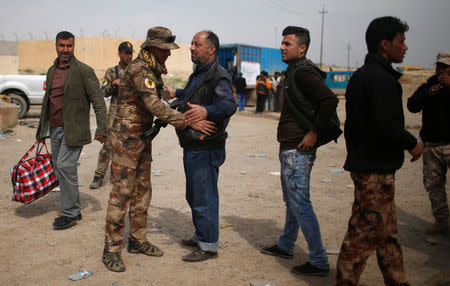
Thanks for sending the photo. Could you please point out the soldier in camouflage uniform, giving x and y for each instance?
(110, 88)
(140, 92)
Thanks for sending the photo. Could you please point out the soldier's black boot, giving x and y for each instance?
(113, 261)
(145, 248)
(96, 183)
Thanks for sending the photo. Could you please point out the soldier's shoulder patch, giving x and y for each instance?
(104, 82)
(149, 83)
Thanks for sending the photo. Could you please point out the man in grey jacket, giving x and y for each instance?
(71, 87)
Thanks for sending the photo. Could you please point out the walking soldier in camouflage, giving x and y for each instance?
(140, 91)
(110, 88)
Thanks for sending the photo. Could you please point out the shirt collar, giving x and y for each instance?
(65, 66)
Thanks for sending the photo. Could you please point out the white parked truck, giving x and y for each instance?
(23, 90)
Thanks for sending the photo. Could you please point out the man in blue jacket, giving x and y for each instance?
(208, 102)
(376, 139)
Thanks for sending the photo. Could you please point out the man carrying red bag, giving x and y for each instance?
(71, 87)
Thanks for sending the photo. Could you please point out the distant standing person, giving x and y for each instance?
(376, 138)
(72, 87)
(308, 120)
(433, 100)
(240, 84)
(110, 88)
(263, 86)
(275, 91)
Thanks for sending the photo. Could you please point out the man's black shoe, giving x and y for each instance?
(310, 270)
(188, 242)
(64, 222)
(199, 255)
(276, 251)
(79, 217)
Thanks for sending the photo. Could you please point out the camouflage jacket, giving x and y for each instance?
(107, 88)
(140, 91)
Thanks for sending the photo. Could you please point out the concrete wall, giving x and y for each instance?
(9, 64)
(8, 57)
(98, 52)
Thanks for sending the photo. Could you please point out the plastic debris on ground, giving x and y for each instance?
(80, 275)
(157, 172)
(243, 172)
(277, 173)
(115, 284)
(225, 224)
(336, 171)
(350, 186)
(326, 180)
(259, 155)
(262, 283)
(57, 189)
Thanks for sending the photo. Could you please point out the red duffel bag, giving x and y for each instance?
(33, 178)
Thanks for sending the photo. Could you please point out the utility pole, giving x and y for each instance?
(323, 12)
(348, 56)
(275, 36)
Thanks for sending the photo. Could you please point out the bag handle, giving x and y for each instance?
(28, 152)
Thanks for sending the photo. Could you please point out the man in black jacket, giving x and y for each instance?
(208, 103)
(376, 139)
(240, 84)
(433, 99)
(308, 107)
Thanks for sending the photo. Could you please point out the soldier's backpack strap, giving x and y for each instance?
(116, 70)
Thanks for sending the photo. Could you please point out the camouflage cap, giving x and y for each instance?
(160, 37)
(443, 58)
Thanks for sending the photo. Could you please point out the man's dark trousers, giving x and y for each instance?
(202, 172)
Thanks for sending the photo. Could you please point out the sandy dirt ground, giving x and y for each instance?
(251, 214)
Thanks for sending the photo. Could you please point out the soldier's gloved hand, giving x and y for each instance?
(204, 126)
(116, 82)
(195, 113)
(101, 139)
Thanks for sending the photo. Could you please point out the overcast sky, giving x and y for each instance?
(257, 22)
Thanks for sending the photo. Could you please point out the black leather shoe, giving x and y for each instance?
(64, 222)
(188, 242)
(199, 255)
(276, 251)
(310, 270)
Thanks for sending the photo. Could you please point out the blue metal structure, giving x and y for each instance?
(231, 55)
(338, 79)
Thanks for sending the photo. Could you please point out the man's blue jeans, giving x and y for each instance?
(241, 101)
(296, 168)
(201, 168)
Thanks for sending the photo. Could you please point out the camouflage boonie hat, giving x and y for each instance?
(443, 58)
(160, 37)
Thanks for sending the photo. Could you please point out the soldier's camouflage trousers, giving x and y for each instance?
(104, 156)
(131, 189)
(436, 161)
(372, 227)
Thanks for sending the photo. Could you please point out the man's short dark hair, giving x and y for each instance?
(302, 35)
(383, 28)
(65, 35)
(212, 39)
